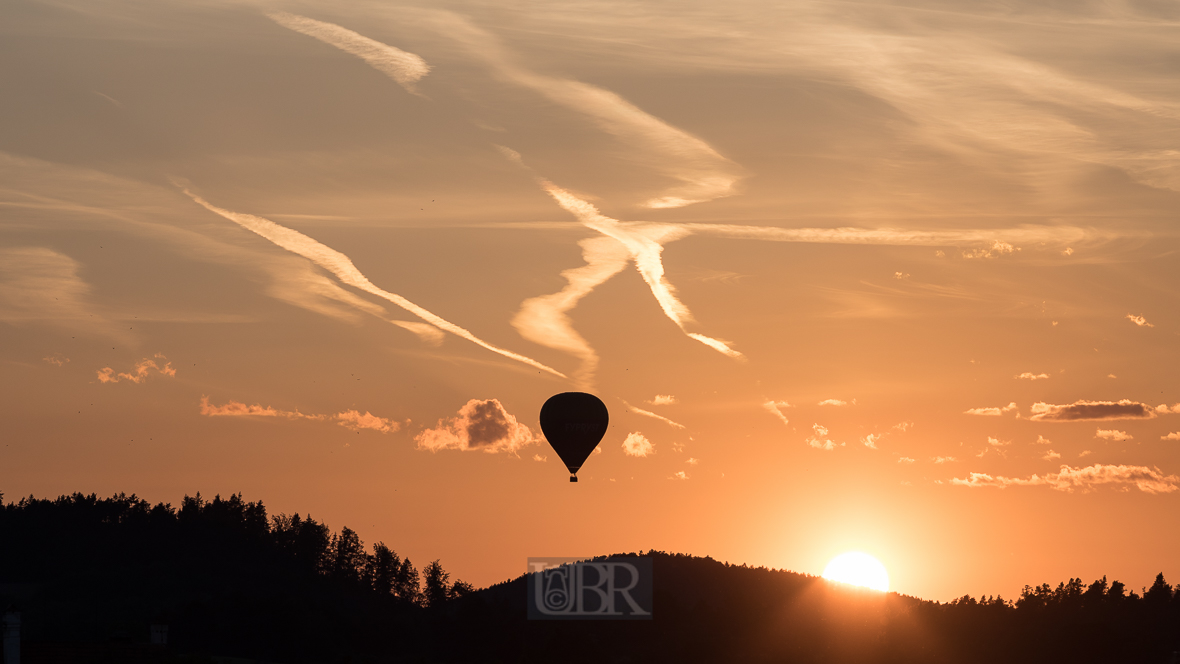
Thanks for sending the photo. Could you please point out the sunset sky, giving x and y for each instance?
(898, 278)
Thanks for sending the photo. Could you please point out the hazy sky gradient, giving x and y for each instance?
(898, 278)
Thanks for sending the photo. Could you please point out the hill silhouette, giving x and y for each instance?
(91, 575)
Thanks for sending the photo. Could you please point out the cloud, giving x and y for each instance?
(1113, 434)
(538, 457)
(992, 411)
(42, 285)
(1139, 320)
(404, 67)
(480, 425)
(57, 359)
(1163, 409)
(871, 439)
(1041, 440)
(352, 419)
(902, 426)
(775, 408)
(429, 334)
(703, 174)
(1081, 411)
(891, 236)
(1028, 375)
(901, 275)
(834, 402)
(1147, 480)
(140, 373)
(648, 413)
(1050, 455)
(943, 459)
(679, 475)
(996, 442)
(1175, 435)
(637, 445)
(998, 248)
(663, 400)
(905, 460)
(342, 267)
(1084, 453)
(692, 461)
(819, 439)
(645, 244)
(545, 319)
(239, 409)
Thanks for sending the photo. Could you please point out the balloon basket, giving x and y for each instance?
(573, 478)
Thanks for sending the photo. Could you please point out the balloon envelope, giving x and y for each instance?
(573, 423)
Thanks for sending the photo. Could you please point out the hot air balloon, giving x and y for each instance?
(573, 423)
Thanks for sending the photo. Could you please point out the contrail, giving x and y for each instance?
(341, 266)
(645, 242)
(543, 319)
(648, 413)
(404, 67)
(703, 172)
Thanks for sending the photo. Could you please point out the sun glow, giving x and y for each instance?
(858, 569)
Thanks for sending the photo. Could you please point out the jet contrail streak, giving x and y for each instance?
(402, 66)
(645, 244)
(341, 266)
(544, 319)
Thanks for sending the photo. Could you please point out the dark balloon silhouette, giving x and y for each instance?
(573, 423)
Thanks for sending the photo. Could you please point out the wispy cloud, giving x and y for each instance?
(1041, 440)
(57, 359)
(702, 172)
(1028, 375)
(480, 426)
(1080, 411)
(663, 400)
(1139, 320)
(648, 413)
(819, 439)
(429, 334)
(943, 459)
(1113, 434)
(905, 460)
(834, 402)
(239, 409)
(350, 419)
(545, 320)
(342, 267)
(645, 244)
(775, 408)
(1148, 480)
(871, 439)
(991, 411)
(1050, 455)
(38, 284)
(637, 445)
(404, 67)
(140, 373)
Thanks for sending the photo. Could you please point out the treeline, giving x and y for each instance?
(307, 545)
(230, 580)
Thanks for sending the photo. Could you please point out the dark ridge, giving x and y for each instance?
(90, 577)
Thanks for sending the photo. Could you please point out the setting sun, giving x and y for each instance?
(858, 569)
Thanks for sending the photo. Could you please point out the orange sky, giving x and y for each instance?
(898, 278)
